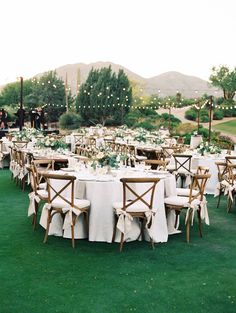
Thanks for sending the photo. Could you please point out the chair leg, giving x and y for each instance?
(122, 241)
(23, 184)
(176, 218)
(34, 221)
(73, 234)
(188, 223)
(47, 229)
(199, 222)
(114, 229)
(218, 203)
(229, 205)
(86, 221)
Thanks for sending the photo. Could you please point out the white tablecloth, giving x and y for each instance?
(195, 141)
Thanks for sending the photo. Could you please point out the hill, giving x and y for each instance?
(166, 84)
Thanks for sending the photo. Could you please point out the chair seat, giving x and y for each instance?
(185, 192)
(176, 200)
(131, 209)
(140, 157)
(61, 204)
(179, 201)
(183, 171)
(43, 194)
(42, 186)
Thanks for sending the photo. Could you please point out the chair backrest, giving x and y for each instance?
(222, 170)
(159, 155)
(110, 143)
(32, 178)
(21, 158)
(60, 187)
(230, 159)
(79, 139)
(20, 144)
(182, 162)
(202, 169)
(157, 164)
(199, 184)
(231, 174)
(134, 195)
(169, 151)
(42, 164)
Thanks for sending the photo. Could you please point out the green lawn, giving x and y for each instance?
(227, 127)
(95, 277)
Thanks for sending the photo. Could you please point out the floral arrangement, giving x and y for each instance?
(205, 147)
(141, 135)
(26, 134)
(107, 157)
(50, 142)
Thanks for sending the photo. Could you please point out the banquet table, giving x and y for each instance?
(102, 191)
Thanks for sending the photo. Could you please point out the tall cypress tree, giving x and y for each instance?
(105, 96)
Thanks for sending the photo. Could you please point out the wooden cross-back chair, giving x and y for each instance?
(22, 161)
(3, 153)
(191, 202)
(38, 194)
(136, 202)
(231, 179)
(222, 174)
(201, 170)
(61, 200)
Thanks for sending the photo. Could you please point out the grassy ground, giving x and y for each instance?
(226, 127)
(95, 277)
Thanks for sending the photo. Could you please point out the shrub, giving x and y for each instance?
(204, 132)
(70, 120)
(132, 117)
(204, 119)
(218, 115)
(146, 125)
(191, 115)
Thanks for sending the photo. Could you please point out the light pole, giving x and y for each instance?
(210, 102)
(198, 107)
(21, 111)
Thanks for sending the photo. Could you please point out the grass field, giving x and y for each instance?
(226, 127)
(175, 277)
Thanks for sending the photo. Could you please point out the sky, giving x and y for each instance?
(149, 37)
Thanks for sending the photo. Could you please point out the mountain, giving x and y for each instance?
(166, 84)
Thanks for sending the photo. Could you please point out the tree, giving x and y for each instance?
(49, 91)
(225, 79)
(10, 94)
(104, 97)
